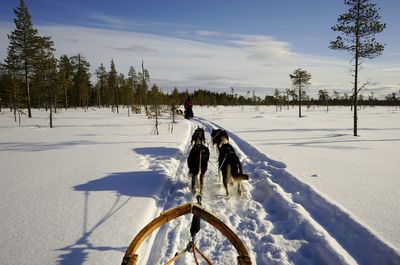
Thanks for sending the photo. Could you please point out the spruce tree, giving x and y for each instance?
(358, 27)
(23, 46)
(113, 86)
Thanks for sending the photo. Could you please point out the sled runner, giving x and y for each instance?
(131, 258)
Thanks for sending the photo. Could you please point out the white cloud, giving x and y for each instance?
(265, 48)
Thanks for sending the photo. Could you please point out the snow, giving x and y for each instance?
(78, 193)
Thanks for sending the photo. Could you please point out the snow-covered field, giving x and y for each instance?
(79, 193)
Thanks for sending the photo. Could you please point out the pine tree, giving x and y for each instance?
(154, 98)
(144, 79)
(13, 74)
(80, 81)
(102, 91)
(120, 89)
(3, 86)
(65, 74)
(132, 84)
(359, 26)
(323, 97)
(46, 73)
(277, 94)
(300, 78)
(23, 46)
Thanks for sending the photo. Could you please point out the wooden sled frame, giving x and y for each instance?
(130, 258)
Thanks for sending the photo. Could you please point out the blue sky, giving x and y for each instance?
(248, 45)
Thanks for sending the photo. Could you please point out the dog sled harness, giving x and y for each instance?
(131, 258)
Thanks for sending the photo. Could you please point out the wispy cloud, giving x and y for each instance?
(135, 49)
(207, 33)
(111, 22)
(70, 40)
(114, 22)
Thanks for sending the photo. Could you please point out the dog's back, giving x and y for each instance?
(224, 150)
(198, 164)
(231, 167)
(198, 159)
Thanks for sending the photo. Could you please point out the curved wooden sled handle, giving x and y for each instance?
(130, 258)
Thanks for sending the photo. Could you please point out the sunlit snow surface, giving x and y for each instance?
(78, 193)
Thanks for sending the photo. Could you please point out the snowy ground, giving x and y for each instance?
(78, 193)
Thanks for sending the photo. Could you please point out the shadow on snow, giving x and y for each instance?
(125, 185)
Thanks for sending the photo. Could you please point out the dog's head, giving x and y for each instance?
(198, 136)
(199, 130)
(219, 137)
(214, 134)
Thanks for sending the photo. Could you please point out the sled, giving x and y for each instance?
(131, 258)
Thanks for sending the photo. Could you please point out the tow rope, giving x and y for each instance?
(194, 229)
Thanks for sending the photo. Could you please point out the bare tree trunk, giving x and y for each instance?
(66, 97)
(98, 98)
(50, 103)
(51, 116)
(355, 96)
(116, 92)
(15, 100)
(28, 93)
(300, 99)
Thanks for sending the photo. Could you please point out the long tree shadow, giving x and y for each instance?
(125, 185)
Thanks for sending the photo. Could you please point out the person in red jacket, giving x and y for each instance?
(188, 108)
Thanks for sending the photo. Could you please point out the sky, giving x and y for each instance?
(216, 45)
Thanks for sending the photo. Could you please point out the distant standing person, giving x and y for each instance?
(188, 108)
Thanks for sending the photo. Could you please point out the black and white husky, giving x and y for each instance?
(198, 160)
(230, 167)
(218, 136)
(199, 135)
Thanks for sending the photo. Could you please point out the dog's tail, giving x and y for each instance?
(241, 176)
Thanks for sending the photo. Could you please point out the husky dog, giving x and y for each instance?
(198, 160)
(218, 136)
(230, 167)
(198, 135)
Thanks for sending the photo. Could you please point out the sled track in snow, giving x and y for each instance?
(279, 219)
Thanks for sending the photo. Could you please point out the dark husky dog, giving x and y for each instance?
(198, 135)
(230, 167)
(198, 160)
(218, 136)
